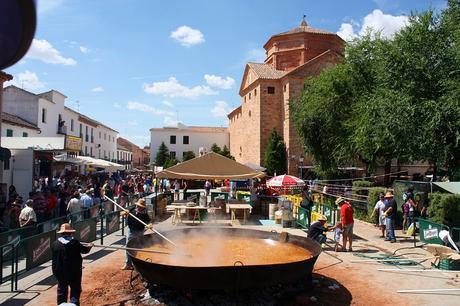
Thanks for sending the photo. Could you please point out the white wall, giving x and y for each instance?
(197, 139)
(20, 103)
(20, 173)
(18, 130)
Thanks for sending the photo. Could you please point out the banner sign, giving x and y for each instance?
(73, 143)
(431, 233)
(94, 211)
(14, 236)
(112, 222)
(85, 231)
(38, 249)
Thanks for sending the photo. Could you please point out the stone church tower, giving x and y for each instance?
(266, 89)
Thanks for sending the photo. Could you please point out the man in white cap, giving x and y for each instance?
(67, 264)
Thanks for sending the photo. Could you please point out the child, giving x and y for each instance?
(337, 233)
(405, 209)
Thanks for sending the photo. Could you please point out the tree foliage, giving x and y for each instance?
(162, 155)
(275, 155)
(170, 162)
(226, 152)
(215, 148)
(390, 98)
(188, 155)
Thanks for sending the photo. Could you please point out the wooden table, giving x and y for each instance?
(177, 217)
(234, 207)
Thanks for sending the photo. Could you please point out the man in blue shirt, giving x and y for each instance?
(86, 199)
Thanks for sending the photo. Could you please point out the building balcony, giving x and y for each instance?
(62, 130)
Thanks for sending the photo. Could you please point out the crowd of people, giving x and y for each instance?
(61, 196)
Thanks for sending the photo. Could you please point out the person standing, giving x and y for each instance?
(86, 199)
(27, 217)
(346, 217)
(135, 228)
(176, 189)
(67, 264)
(74, 204)
(380, 207)
(207, 187)
(391, 209)
(14, 212)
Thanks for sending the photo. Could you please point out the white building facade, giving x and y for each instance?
(47, 111)
(184, 138)
(124, 157)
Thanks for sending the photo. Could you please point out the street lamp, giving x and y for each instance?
(301, 166)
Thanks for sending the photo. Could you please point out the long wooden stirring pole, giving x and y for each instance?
(134, 249)
(152, 229)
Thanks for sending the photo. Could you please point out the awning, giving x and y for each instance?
(100, 163)
(452, 187)
(211, 166)
(255, 167)
(63, 158)
(34, 143)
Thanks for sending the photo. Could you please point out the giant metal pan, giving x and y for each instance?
(224, 277)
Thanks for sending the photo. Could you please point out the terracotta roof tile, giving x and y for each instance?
(305, 29)
(266, 71)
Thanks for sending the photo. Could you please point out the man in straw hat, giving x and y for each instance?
(317, 231)
(67, 264)
(390, 210)
(135, 228)
(346, 217)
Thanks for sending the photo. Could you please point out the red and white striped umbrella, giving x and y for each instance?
(285, 181)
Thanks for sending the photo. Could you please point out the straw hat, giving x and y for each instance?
(66, 228)
(339, 200)
(140, 203)
(322, 218)
(389, 194)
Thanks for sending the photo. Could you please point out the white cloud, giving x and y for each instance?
(170, 122)
(147, 109)
(172, 88)
(187, 36)
(27, 80)
(376, 21)
(167, 103)
(256, 55)
(97, 89)
(346, 32)
(220, 109)
(42, 50)
(84, 50)
(219, 82)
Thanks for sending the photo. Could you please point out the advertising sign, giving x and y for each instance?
(85, 231)
(38, 249)
(73, 143)
(112, 222)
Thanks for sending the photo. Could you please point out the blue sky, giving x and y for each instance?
(134, 65)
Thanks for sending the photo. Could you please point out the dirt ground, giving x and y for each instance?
(336, 281)
(105, 284)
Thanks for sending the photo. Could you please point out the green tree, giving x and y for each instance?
(188, 155)
(275, 154)
(170, 162)
(162, 155)
(320, 115)
(215, 148)
(226, 152)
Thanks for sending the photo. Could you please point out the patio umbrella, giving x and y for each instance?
(285, 181)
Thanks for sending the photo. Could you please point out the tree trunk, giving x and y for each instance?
(435, 169)
(387, 169)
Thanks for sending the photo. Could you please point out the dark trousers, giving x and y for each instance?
(63, 290)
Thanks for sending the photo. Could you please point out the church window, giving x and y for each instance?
(255, 92)
(270, 90)
(249, 96)
(284, 87)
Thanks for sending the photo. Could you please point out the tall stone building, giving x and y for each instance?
(266, 89)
